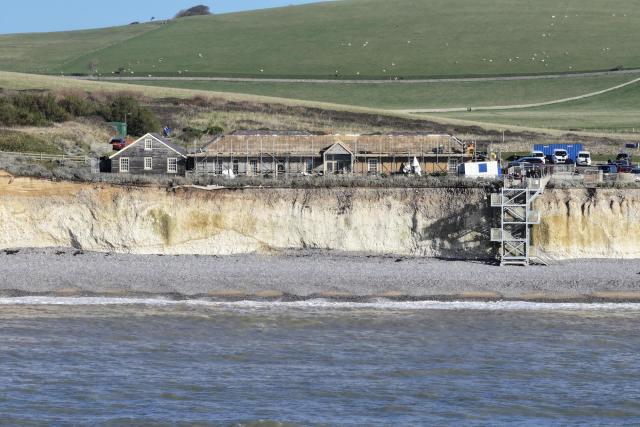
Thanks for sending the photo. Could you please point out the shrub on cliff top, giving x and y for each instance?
(31, 109)
(43, 109)
(194, 11)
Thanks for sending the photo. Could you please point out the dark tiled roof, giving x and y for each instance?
(170, 144)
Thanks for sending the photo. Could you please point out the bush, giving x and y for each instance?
(140, 119)
(191, 133)
(37, 109)
(194, 11)
(214, 130)
(28, 109)
(78, 106)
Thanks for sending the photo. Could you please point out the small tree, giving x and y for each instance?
(93, 66)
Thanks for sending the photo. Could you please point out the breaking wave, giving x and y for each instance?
(321, 303)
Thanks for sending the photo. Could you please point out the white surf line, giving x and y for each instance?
(324, 304)
(516, 106)
(351, 81)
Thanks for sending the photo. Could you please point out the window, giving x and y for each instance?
(172, 165)
(124, 164)
(236, 167)
(330, 166)
(255, 170)
(148, 144)
(148, 163)
(219, 168)
(309, 166)
(373, 165)
(281, 168)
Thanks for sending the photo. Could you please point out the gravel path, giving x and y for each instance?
(520, 106)
(417, 110)
(311, 273)
(363, 81)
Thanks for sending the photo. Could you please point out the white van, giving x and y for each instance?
(539, 155)
(584, 158)
(560, 155)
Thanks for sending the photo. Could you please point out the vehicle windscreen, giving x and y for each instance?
(583, 156)
(561, 153)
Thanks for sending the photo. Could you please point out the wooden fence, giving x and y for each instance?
(63, 158)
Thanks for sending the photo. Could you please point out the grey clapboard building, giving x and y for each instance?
(150, 155)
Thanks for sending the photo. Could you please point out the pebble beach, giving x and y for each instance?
(308, 274)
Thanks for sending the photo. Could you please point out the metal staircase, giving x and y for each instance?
(517, 216)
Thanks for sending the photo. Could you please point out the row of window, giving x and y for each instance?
(254, 166)
(172, 164)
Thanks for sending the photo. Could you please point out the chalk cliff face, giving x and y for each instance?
(602, 223)
(428, 222)
(448, 223)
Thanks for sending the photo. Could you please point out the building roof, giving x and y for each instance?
(258, 132)
(297, 143)
(178, 149)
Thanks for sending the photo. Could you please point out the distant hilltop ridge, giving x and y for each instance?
(349, 39)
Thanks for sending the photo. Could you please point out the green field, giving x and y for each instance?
(355, 38)
(616, 111)
(402, 96)
(48, 53)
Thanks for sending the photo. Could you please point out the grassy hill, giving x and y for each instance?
(405, 96)
(48, 53)
(356, 38)
(611, 112)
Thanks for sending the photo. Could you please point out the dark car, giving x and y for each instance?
(608, 168)
(526, 161)
(623, 166)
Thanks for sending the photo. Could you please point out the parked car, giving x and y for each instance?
(526, 161)
(623, 167)
(539, 154)
(623, 163)
(608, 168)
(584, 158)
(560, 156)
(636, 172)
(118, 143)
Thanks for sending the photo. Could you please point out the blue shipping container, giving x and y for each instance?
(572, 149)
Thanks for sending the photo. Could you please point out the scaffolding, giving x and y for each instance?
(283, 153)
(517, 216)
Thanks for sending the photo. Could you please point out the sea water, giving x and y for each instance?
(103, 361)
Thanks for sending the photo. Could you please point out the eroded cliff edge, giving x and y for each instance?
(589, 223)
(432, 222)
